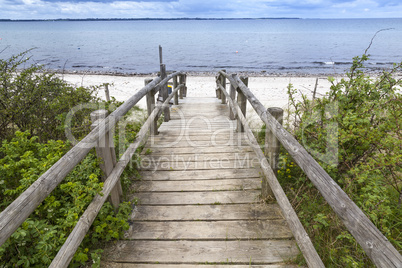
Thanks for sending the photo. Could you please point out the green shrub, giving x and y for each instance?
(34, 100)
(34, 105)
(39, 238)
(359, 122)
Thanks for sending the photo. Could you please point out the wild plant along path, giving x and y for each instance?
(199, 198)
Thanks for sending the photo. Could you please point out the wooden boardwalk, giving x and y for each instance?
(199, 199)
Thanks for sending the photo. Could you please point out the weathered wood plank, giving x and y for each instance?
(210, 230)
(204, 149)
(258, 211)
(169, 155)
(199, 174)
(197, 185)
(180, 165)
(202, 143)
(135, 265)
(196, 252)
(198, 198)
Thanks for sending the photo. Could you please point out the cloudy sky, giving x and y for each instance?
(53, 9)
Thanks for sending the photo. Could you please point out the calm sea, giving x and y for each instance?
(271, 46)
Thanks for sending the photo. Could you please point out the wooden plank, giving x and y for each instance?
(170, 155)
(221, 137)
(210, 230)
(190, 132)
(196, 252)
(180, 165)
(172, 175)
(374, 243)
(204, 149)
(197, 185)
(258, 211)
(195, 198)
(197, 144)
(212, 265)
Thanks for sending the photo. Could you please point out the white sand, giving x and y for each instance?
(271, 91)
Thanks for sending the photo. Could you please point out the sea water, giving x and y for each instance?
(300, 46)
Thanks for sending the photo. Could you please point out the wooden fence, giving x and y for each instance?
(374, 243)
(18, 211)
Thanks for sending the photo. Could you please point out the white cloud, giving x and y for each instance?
(39, 9)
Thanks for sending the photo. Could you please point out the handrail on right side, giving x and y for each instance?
(373, 242)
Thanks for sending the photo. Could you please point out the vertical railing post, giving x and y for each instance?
(107, 95)
(181, 81)
(242, 102)
(106, 152)
(271, 149)
(165, 94)
(185, 86)
(218, 91)
(150, 107)
(176, 95)
(223, 83)
(233, 97)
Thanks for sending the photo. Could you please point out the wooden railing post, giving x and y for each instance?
(181, 81)
(233, 97)
(218, 91)
(150, 107)
(271, 148)
(185, 85)
(176, 95)
(165, 94)
(242, 102)
(106, 152)
(223, 83)
(107, 95)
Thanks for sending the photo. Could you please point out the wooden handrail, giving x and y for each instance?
(20, 209)
(373, 242)
(303, 240)
(66, 253)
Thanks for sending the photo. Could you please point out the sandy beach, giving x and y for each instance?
(271, 91)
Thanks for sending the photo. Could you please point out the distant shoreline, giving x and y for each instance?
(213, 73)
(142, 19)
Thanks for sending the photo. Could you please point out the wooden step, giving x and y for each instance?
(210, 230)
(198, 252)
(258, 211)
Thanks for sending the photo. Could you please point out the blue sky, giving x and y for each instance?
(54, 9)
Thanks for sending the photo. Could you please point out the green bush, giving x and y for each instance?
(359, 122)
(39, 238)
(33, 108)
(34, 100)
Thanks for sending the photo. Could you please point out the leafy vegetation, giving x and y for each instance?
(34, 100)
(34, 105)
(359, 122)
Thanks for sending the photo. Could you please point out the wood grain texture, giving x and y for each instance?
(253, 211)
(211, 230)
(197, 185)
(196, 252)
(201, 198)
(198, 198)
(212, 174)
(210, 265)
